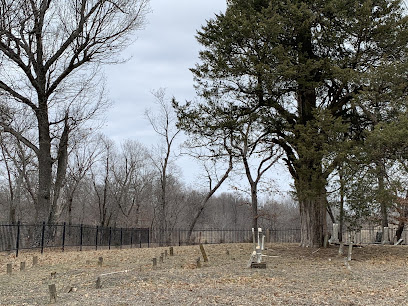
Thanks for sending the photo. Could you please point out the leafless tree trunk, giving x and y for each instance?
(17, 163)
(211, 190)
(164, 125)
(43, 45)
(268, 158)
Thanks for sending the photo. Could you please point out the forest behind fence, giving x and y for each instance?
(19, 236)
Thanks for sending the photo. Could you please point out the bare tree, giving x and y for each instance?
(85, 153)
(102, 176)
(252, 148)
(133, 176)
(214, 178)
(50, 51)
(163, 124)
(18, 162)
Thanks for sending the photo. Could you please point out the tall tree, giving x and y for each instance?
(164, 124)
(240, 137)
(299, 65)
(49, 56)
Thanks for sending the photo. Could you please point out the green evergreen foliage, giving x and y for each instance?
(306, 69)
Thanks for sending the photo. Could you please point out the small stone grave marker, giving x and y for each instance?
(203, 253)
(9, 269)
(53, 293)
(98, 283)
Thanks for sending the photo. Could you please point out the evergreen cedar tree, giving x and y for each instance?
(300, 67)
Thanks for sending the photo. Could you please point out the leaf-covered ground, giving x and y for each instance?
(377, 275)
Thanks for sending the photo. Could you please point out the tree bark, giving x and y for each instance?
(311, 191)
(312, 222)
(342, 192)
(254, 200)
(381, 194)
(57, 203)
(44, 166)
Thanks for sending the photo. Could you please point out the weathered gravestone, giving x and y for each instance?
(255, 261)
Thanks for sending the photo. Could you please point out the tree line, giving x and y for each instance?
(319, 85)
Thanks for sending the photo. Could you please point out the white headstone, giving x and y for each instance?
(386, 236)
(335, 234)
(259, 236)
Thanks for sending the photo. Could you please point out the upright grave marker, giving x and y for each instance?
(53, 293)
(255, 261)
(98, 284)
(9, 269)
(203, 253)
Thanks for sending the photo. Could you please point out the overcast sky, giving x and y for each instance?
(160, 58)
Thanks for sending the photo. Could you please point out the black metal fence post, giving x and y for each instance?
(96, 238)
(121, 237)
(80, 239)
(18, 238)
(63, 236)
(42, 237)
(110, 237)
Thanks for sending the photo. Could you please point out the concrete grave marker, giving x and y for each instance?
(399, 242)
(98, 284)
(53, 293)
(203, 253)
(386, 235)
(255, 261)
(9, 269)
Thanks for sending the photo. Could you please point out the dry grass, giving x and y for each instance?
(377, 275)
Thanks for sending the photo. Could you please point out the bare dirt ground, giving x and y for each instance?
(377, 275)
